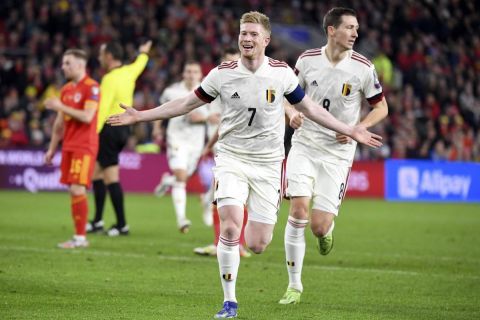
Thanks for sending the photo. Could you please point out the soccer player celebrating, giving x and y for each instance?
(185, 141)
(76, 123)
(250, 152)
(213, 120)
(117, 86)
(337, 78)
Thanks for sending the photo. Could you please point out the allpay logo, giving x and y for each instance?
(412, 182)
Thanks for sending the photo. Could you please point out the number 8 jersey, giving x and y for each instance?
(252, 113)
(340, 90)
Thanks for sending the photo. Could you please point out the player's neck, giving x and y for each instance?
(252, 64)
(335, 54)
(79, 77)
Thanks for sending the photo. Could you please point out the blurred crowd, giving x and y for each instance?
(427, 55)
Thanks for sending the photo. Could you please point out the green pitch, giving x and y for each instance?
(390, 261)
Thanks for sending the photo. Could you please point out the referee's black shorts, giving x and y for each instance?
(111, 142)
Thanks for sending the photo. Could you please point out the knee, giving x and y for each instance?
(258, 246)
(299, 212)
(321, 229)
(230, 231)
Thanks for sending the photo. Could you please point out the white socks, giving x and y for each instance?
(179, 197)
(295, 251)
(228, 256)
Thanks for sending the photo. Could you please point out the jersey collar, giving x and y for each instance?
(245, 69)
(340, 63)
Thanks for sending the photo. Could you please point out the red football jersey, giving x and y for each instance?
(80, 136)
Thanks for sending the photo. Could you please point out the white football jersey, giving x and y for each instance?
(252, 118)
(214, 107)
(179, 129)
(340, 90)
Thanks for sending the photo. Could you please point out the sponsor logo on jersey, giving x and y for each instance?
(235, 96)
(270, 95)
(314, 83)
(346, 88)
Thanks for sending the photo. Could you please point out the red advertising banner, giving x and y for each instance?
(366, 180)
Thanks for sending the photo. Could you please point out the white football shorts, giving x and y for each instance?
(324, 182)
(256, 185)
(183, 156)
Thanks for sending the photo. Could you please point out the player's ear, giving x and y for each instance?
(331, 30)
(267, 40)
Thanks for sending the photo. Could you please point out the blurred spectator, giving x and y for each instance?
(427, 55)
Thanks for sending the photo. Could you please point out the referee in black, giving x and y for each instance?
(117, 86)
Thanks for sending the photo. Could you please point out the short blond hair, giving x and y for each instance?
(257, 17)
(77, 53)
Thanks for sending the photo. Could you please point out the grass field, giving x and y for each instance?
(390, 261)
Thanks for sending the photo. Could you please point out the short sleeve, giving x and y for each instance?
(293, 92)
(372, 89)
(299, 71)
(209, 89)
(291, 81)
(92, 97)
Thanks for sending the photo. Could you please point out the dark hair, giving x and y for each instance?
(334, 17)
(115, 49)
(230, 51)
(77, 53)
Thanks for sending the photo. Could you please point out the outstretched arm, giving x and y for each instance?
(319, 115)
(170, 109)
(378, 113)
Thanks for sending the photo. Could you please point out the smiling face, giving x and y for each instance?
(345, 34)
(252, 40)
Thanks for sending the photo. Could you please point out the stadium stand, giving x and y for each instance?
(426, 53)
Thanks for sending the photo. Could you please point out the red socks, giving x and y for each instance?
(80, 214)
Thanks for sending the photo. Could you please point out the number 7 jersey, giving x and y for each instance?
(252, 122)
(340, 90)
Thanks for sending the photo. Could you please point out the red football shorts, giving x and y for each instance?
(77, 167)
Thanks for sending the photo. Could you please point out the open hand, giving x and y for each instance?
(130, 116)
(362, 135)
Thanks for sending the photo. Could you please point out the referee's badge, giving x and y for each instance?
(346, 88)
(270, 95)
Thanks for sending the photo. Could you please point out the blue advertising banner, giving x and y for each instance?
(416, 180)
